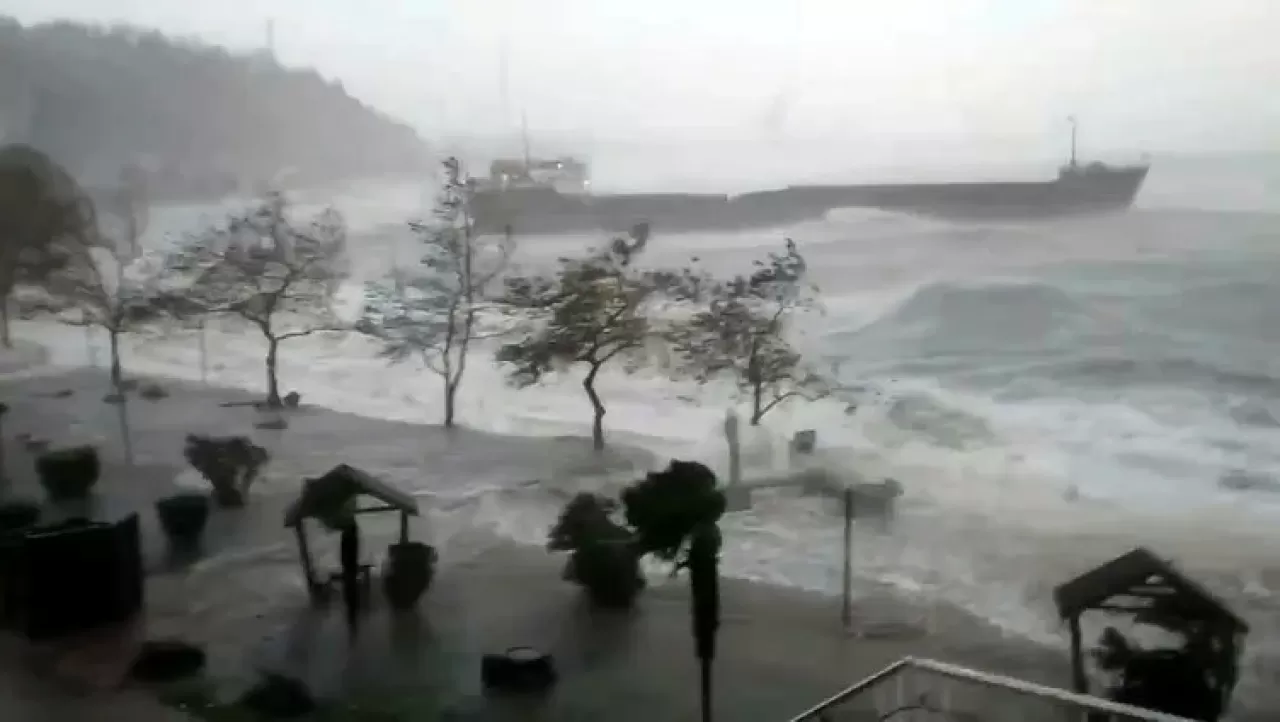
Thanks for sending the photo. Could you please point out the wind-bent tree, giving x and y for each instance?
(112, 285)
(591, 311)
(744, 332)
(116, 295)
(274, 273)
(434, 312)
(44, 215)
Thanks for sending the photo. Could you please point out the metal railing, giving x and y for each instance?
(925, 690)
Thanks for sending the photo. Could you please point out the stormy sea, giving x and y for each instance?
(1048, 393)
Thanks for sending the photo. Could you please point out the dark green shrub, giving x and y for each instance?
(585, 519)
(609, 571)
(229, 463)
(604, 561)
(183, 517)
(68, 473)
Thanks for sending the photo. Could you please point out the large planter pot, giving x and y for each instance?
(183, 518)
(609, 571)
(68, 474)
(409, 571)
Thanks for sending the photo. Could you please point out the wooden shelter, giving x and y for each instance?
(338, 492)
(1151, 591)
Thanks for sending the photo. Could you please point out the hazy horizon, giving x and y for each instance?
(979, 75)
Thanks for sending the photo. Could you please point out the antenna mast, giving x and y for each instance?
(524, 136)
(1072, 120)
(271, 38)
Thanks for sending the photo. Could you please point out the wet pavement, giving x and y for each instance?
(243, 597)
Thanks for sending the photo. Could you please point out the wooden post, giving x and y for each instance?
(735, 450)
(204, 356)
(846, 610)
(1078, 679)
(304, 552)
(404, 527)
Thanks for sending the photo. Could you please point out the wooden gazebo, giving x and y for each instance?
(339, 491)
(1150, 590)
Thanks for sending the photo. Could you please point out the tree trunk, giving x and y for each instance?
(704, 688)
(757, 404)
(597, 423)
(273, 383)
(117, 373)
(450, 392)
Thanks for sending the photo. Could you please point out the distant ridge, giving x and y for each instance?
(199, 117)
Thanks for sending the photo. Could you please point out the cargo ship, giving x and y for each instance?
(555, 197)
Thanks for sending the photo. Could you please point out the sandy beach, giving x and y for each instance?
(781, 649)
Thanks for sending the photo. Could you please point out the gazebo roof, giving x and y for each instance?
(1140, 573)
(344, 478)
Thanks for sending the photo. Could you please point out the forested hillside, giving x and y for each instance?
(198, 118)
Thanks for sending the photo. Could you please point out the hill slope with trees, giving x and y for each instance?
(198, 118)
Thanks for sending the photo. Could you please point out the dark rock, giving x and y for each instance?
(292, 400)
(519, 669)
(63, 394)
(153, 392)
(165, 660)
(279, 697)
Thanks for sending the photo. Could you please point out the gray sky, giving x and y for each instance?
(1141, 74)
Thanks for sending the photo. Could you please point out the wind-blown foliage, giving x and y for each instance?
(434, 312)
(44, 219)
(591, 311)
(744, 333)
(274, 273)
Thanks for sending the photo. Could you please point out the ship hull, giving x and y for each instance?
(534, 211)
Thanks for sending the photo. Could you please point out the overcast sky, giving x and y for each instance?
(1141, 74)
